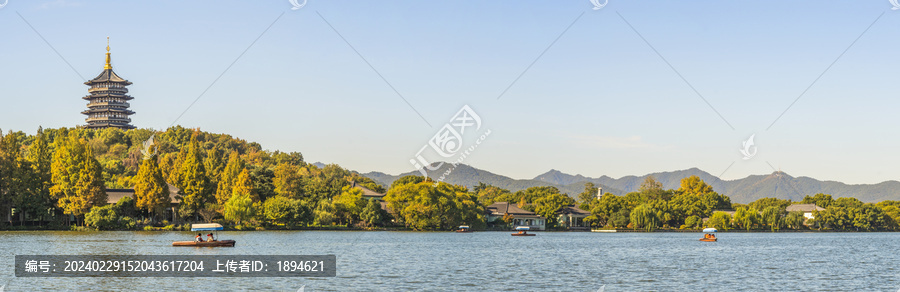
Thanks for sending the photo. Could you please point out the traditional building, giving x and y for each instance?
(108, 100)
(572, 218)
(519, 216)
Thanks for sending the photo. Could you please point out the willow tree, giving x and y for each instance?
(746, 217)
(772, 217)
(239, 208)
(644, 216)
(77, 177)
(719, 220)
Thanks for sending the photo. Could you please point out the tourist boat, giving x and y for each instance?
(603, 230)
(206, 227)
(464, 229)
(522, 231)
(709, 235)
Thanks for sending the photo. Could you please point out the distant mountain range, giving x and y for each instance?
(777, 184)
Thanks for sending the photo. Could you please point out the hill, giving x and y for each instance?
(777, 184)
(468, 176)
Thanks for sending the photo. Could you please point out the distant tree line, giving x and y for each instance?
(57, 174)
(695, 205)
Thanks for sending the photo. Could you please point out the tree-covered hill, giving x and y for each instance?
(470, 177)
(775, 185)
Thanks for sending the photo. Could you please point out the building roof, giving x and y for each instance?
(114, 195)
(804, 208)
(572, 210)
(368, 193)
(503, 208)
(108, 76)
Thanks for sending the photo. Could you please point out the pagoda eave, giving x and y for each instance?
(125, 97)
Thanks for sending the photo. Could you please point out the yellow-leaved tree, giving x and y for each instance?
(77, 177)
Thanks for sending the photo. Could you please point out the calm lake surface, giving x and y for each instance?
(496, 261)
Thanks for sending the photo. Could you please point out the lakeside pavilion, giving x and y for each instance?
(108, 100)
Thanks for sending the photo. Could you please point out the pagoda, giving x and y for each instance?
(108, 100)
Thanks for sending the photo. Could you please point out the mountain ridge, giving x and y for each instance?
(777, 184)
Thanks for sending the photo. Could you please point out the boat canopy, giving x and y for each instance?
(206, 227)
(523, 228)
(709, 230)
(464, 227)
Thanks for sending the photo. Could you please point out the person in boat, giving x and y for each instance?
(209, 238)
(198, 238)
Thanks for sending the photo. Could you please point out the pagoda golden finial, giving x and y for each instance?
(108, 66)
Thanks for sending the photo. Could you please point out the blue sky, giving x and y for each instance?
(600, 101)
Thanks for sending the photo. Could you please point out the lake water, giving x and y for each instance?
(496, 261)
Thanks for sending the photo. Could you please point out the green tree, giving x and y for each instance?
(644, 217)
(489, 194)
(548, 206)
(348, 205)
(794, 220)
(239, 208)
(588, 195)
(693, 222)
(422, 205)
(891, 210)
(746, 218)
(772, 216)
(763, 203)
(620, 219)
(281, 210)
(607, 207)
(40, 158)
(719, 220)
(103, 218)
(821, 200)
(323, 215)
(651, 189)
(18, 186)
(868, 217)
(372, 214)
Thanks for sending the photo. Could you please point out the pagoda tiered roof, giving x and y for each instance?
(108, 76)
(107, 106)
